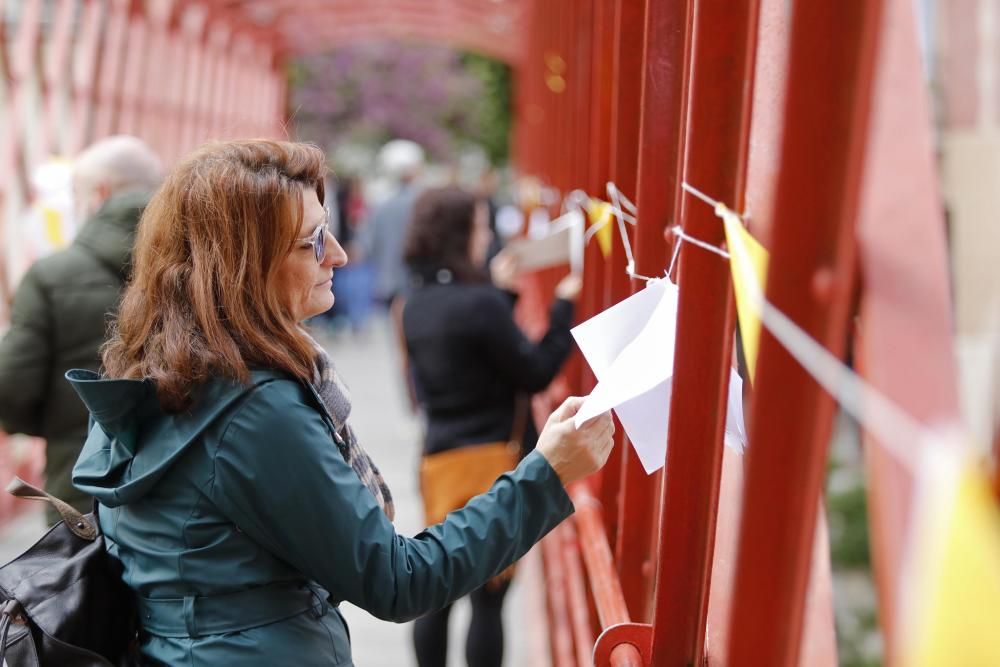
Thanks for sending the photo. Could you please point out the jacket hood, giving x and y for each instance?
(110, 233)
(114, 466)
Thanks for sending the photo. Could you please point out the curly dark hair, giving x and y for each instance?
(440, 231)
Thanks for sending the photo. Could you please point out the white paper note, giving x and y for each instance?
(630, 348)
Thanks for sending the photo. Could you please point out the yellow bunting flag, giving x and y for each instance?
(53, 222)
(954, 591)
(746, 307)
(600, 214)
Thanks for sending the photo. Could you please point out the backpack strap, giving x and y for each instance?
(75, 521)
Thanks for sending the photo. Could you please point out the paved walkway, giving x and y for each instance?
(391, 434)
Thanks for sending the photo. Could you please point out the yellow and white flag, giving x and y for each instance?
(952, 588)
(747, 258)
(600, 214)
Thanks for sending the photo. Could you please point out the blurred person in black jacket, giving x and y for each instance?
(472, 369)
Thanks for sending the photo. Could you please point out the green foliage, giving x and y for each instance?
(848, 517)
(494, 113)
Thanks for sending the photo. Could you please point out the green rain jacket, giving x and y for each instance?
(241, 528)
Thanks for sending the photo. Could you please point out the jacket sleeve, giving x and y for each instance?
(528, 366)
(280, 477)
(25, 358)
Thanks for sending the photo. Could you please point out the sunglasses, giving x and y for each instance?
(318, 239)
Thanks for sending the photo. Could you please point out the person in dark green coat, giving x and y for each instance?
(230, 484)
(62, 305)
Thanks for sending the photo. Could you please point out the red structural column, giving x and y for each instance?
(111, 81)
(55, 75)
(720, 86)
(657, 188)
(84, 79)
(832, 51)
(623, 136)
(133, 101)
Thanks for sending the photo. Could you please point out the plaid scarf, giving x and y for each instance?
(337, 401)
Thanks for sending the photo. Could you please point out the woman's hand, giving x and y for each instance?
(503, 271)
(574, 452)
(569, 287)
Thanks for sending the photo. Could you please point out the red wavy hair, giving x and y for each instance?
(202, 301)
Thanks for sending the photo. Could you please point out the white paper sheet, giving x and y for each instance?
(630, 348)
(553, 249)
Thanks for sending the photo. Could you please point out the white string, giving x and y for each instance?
(622, 198)
(900, 434)
(699, 194)
(616, 202)
(682, 235)
(674, 256)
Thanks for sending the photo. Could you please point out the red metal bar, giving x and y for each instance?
(576, 588)
(607, 591)
(657, 185)
(720, 86)
(660, 140)
(85, 72)
(111, 81)
(56, 73)
(560, 635)
(811, 265)
(601, 574)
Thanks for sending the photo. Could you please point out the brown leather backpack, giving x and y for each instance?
(63, 601)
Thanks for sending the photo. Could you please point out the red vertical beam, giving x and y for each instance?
(602, 73)
(580, 90)
(56, 78)
(22, 59)
(133, 89)
(622, 151)
(576, 589)
(85, 76)
(111, 81)
(657, 187)
(560, 632)
(832, 51)
(720, 86)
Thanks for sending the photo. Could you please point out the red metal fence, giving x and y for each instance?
(814, 123)
(785, 116)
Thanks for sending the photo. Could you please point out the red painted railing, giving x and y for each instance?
(766, 109)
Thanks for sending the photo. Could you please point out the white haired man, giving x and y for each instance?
(61, 308)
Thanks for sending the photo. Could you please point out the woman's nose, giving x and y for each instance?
(335, 256)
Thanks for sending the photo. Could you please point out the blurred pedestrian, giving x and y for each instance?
(403, 162)
(473, 371)
(353, 288)
(232, 488)
(62, 305)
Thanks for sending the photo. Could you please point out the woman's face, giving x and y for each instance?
(479, 240)
(305, 284)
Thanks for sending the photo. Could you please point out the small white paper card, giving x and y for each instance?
(630, 348)
(553, 249)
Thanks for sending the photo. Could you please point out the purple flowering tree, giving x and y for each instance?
(372, 92)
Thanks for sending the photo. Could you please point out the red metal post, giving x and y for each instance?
(85, 72)
(720, 85)
(657, 185)
(111, 82)
(811, 268)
